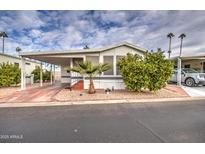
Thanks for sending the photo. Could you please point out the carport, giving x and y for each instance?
(63, 59)
(195, 62)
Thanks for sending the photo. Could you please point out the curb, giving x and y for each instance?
(184, 99)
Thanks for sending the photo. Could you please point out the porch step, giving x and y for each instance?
(78, 85)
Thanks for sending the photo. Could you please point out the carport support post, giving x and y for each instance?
(179, 71)
(23, 85)
(54, 73)
(51, 75)
(41, 75)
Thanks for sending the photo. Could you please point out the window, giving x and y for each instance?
(187, 66)
(93, 59)
(109, 60)
(76, 61)
(117, 59)
(16, 64)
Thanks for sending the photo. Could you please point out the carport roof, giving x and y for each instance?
(199, 57)
(80, 51)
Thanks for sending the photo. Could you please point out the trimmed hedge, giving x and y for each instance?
(9, 75)
(151, 72)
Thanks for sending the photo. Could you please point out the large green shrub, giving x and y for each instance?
(158, 70)
(36, 73)
(133, 71)
(9, 75)
(151, 72)
(46, 75)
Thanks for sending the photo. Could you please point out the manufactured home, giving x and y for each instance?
(30, 65)
(110, 55)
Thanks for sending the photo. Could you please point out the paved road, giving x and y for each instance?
(139, 122)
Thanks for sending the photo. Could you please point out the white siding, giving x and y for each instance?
(12, 60)
(109, 83)
(65, 76)
(103, 84)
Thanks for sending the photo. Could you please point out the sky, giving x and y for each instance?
(65, 30)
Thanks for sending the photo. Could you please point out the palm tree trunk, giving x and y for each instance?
(91, 86)
(170, 41)
(181, 48)
(3, 46)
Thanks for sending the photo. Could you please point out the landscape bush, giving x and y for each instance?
(149, 72)
(158, 69)
(133, 71)
(46, 74)
(10, 75)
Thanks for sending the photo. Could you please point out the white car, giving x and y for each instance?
(189, 77)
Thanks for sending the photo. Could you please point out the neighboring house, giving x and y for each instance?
(30, 65)
(195, 62)
(111, 54)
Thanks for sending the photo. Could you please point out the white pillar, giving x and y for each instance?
(54, 73)
(71, 65)
(179, 71)
(100, 61)
(41, 75)
(51, 75)
(32, 79)
(114, 67)
(23, 86)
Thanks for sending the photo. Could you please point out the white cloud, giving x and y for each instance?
(70, 29)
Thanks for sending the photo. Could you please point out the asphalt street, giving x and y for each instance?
(137, 122)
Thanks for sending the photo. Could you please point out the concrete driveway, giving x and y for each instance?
(137, 122)
(37, 94)
(198, 91)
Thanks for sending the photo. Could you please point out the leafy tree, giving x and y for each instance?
(9, 75)
(46, 74)
(36, 73)
(151, 72)
(88, 69)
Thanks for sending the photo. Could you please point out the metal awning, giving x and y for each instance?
(202, 57)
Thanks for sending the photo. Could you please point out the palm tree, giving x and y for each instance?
(170, 35)
(182, 36)
(88, 69)
(3, 35)
(86, 47)
(18, 50)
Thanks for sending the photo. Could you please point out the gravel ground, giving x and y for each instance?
(67, 95)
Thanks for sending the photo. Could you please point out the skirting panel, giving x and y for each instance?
(103, 84)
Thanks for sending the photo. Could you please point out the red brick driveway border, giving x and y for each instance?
(176, 89)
